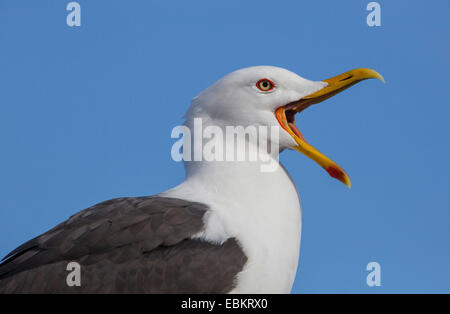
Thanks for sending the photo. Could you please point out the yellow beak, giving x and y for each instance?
(337, 84)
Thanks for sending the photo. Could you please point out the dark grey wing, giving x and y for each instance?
(126, 245)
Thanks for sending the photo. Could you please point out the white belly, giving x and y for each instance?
(272, 243)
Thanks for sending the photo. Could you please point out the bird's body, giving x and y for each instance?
(262, 222)
(230, 227)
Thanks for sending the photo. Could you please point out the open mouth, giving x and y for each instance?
(290, 110)
(286, 117)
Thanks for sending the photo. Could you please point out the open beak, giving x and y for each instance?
(286, 117)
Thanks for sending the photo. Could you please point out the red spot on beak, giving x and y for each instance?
(335, 173)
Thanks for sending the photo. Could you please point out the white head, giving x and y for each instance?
(271, 96)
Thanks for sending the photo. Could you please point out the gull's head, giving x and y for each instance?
(272, 96)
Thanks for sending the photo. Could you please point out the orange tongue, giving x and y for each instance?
(296, 130)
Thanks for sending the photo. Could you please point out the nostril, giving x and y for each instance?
(347, 78)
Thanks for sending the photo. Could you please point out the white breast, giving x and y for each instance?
(260, 209)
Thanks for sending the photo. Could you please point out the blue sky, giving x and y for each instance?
(86, 115)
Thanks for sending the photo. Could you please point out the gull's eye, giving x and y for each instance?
(265, 85)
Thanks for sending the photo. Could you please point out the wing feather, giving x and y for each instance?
(126, 245)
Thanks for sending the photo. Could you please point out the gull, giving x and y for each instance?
(229, 227)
